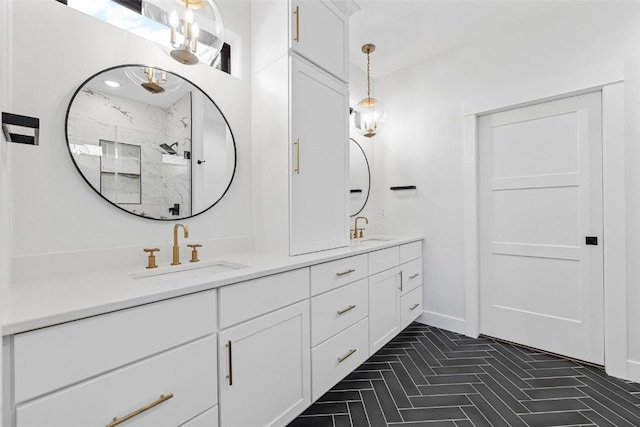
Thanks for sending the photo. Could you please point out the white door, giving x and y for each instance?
(540, 195)
(384, 308)
(264, 369)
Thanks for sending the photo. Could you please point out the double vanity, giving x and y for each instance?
(251, 340)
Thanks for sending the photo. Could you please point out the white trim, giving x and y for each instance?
(442, 321)
(633, 370)
(614, 239)
(471, 227)
(608, 80)
(574, 82)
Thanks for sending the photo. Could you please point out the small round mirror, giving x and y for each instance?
(360, 178)
(150, 142)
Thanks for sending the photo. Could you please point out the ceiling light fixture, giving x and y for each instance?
(111, 83)
(155, 80)
(369, 113)
(196, 32)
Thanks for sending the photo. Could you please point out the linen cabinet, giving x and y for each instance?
(300, 125)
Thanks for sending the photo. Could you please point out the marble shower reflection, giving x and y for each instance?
(163, 181)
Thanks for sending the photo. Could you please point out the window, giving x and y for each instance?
(126, 14)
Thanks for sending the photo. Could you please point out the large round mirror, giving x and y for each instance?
(360, 177)
(150, 142)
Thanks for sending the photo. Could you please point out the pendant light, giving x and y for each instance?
(196, 32)
(369, 113)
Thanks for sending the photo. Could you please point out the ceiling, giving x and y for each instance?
(406, 32)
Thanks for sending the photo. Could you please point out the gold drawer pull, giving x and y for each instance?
(348, 355)
(414, 276)
(117, 421)
(297, 144)
(297, 13)
(414, 307)
(349, 271)
(341, 312)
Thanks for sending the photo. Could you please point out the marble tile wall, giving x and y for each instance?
(165, 179)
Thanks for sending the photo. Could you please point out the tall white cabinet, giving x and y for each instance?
(300, 125)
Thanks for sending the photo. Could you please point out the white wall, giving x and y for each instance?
(59, 224)
(423, 142)
(5, 190)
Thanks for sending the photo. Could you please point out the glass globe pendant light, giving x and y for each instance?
(196, 31)
(369, 113)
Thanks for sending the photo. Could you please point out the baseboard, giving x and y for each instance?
(633, 371)
(442, 321)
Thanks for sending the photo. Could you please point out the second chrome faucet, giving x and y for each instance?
(176, 248)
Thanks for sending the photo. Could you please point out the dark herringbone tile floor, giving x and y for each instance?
(428, 377)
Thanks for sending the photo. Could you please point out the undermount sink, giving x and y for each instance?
(189, 270)
(371, 240)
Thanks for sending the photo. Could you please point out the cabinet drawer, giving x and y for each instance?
(411, 275)
(253, 298)
(410, 251)
(336, 310)
(207, 419)
(188, 372)
(334, 359)
(330, 275)
(383, 259)
(52, 358)
(411, 307)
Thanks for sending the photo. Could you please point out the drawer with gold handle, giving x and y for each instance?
(133, 394)
(335, 311)
(336, 357)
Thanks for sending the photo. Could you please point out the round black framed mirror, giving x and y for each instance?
(150, 142)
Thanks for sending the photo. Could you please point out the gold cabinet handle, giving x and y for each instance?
(400, 281)
(297, 144)
(349, 271)
(414, 307)
(346, 356)
(414, 276)
(297, 13)
(117, 421)
(230, 355)
(341, 312)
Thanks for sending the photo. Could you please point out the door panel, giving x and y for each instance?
(540, 193)
(319, 162)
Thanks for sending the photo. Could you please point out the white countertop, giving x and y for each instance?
(40, 303)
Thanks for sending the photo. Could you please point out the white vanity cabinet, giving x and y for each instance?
(264, 362)
(320, 32)
(90, 371)
(300, 126)
(339, 325)
(395, 291)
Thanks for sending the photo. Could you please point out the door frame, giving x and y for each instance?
(610, 83)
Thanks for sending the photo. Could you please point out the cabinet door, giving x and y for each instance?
(265, 369)
(319, 160)
(384, 308)
(319, 32)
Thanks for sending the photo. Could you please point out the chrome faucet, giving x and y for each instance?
(359, 232)
(176, 248)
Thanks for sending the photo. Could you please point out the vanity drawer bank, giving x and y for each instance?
(183, 350)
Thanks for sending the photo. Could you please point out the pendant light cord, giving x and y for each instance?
(368, 76)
